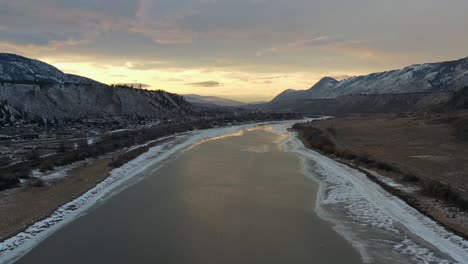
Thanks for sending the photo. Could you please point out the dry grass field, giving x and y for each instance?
(426, 154)
(20, 207)
(424, 147)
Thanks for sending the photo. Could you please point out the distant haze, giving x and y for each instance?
(198, 99)
(247, 50)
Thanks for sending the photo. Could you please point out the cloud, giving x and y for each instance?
(334, 44)
(302, 44)
(205, 84)
(146, 65)
(85, 25)
(174, 44)
(31, 49)
(162, 32)
(142, 10)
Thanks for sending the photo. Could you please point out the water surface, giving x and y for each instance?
(236, 199)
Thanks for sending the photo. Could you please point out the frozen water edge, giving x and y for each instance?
(15, 247)
(368, 204)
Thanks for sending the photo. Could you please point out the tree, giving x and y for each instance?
(62, 147)
(33, 155)
(46, 165)
(5, 161)
(82, 143)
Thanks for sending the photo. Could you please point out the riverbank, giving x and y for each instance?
(21, 207)
(30, 203)
(416, 159)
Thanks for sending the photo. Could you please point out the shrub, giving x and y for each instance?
(22, 173)
(345, 154)
(461, 129)
(315, 138)
(8, 181)
(438, 189)
(364, 159)
(127, 156)
(329, 149)
(383, 166)
(33, 155)
(46, 165)
(62, 147)
(82, 143)
(331, 130)
(5, 161)
(36, 182)
(445, 192)
(409, 178)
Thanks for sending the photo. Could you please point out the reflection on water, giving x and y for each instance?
(235, 199)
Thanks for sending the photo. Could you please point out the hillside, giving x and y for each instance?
(458, 102)
(362, 104)
(32, 89)
(448, 76)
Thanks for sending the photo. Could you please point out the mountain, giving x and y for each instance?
(211, 100)
(362, 104)
(321, 87)
(33, 89)
(18, 69)
(449, 76)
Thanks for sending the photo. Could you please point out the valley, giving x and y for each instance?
(67, 141)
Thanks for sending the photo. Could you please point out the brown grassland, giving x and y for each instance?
(429, 154)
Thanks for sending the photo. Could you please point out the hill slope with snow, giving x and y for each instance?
(34, 89)
(448, 76)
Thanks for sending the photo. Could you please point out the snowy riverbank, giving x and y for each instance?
(379, 225)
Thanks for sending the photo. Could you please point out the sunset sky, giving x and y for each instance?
(248, 50)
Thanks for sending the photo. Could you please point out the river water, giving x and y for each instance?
(245, 197)
(236, 199)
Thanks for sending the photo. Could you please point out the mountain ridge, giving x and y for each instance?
(38, 90)
(210, 100)
(448, 76)
(19, 69)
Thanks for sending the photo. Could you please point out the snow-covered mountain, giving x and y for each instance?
(448, 76)
(34, 89)
(18, 69)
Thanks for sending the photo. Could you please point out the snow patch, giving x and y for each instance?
(59, 172)
(431, 157)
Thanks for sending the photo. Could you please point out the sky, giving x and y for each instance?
(247, 50)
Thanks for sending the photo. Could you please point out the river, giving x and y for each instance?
(251, 196)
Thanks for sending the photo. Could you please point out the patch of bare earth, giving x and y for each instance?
(21, 207)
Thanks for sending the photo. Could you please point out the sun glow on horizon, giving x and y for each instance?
(234, 85)
(203, 47)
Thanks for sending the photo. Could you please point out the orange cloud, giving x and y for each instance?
(32, 49)
(205, 84)
(335, 45)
